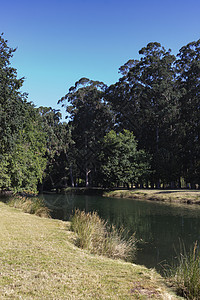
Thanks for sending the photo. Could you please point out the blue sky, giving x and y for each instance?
(61, 41)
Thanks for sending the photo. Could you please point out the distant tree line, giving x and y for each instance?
(142, 131)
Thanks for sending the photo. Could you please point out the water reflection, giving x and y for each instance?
(160, 226)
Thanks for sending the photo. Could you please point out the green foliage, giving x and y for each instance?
(28, 163)
(90, 119)
(22, 139)
(145, 102)
(156, 99)
(121, 162)
(94, 235)
(57, 154)
(5, 181)
(188, 83)
(186, 276)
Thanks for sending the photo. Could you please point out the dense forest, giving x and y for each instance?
(142, 131)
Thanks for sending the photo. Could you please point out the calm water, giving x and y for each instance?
(160, 226)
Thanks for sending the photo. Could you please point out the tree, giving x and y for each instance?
(58, 148)
(27, 161)
(121, 162)
(22, 140)
(145, 102)
(11, 100)
(188, 83)
(90, 119)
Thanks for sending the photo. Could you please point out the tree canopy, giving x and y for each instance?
(121, 161)
(22, 140)
(142, 130)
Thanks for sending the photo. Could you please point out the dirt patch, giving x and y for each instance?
(140, 289)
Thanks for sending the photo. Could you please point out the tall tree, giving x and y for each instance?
(90, 119)
(188, 83)
(145, 101)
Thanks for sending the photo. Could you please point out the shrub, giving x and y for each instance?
(30, 205)
(95, 235)
(186, 276)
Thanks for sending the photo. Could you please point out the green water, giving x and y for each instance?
(160, 227)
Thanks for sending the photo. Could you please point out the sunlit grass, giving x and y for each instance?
(174, 196)
(38, 260)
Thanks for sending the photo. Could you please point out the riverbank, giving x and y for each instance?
(40, 261)
(174, 196)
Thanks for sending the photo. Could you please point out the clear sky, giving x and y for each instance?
(60, 41)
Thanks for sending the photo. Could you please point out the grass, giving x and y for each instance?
(32, 205)
(95, 235)
(186, 277)
(38, 260)
(174, 196)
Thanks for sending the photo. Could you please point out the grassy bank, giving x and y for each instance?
(175, 196)
(94, 234)
(40, 261)
(32, 205)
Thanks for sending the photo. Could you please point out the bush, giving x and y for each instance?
(186, 276)
(95, 235)
(30, 205)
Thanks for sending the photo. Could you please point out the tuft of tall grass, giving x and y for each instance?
(186, 276)
(95, 235)
(34, 205)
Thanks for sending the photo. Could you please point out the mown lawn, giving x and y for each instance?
(174, 196)
(38, 260)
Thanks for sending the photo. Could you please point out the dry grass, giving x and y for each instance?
(31, 205)
(38, 260)
(94, 234)
(174, 196)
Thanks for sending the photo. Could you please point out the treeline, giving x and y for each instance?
(157, 99)
(141, 131)
(29, 137)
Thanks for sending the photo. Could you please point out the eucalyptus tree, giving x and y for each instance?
(90, 118)
(145, 101)
(188, 83)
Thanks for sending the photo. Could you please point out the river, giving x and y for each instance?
(159, 227)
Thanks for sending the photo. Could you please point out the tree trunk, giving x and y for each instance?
(157, 139)
(152, 185)
(87, 172)
(172, 184)
(41, 186)
(158, 184)
(71, 176)
(179, 183)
